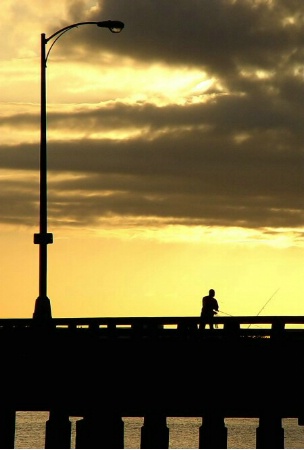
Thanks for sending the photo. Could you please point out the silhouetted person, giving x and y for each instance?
(210, 307)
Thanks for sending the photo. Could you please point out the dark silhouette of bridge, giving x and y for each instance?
(104, 369)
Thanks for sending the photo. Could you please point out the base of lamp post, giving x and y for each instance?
(43, 311)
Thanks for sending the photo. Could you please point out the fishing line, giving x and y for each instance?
(265, 304)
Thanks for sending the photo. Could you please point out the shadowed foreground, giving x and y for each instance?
(102, 369)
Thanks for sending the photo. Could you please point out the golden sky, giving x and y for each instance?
(175, 157)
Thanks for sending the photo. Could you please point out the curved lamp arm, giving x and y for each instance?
(115, 26)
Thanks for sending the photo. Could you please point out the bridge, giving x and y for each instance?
(104, 369)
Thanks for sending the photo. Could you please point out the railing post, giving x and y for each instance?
(213, 432)
(277, 329)
(7, 427)
(270, 433)
(154, 432)
(100, 431)
(232, 328)
(187, 329)
(58, 430)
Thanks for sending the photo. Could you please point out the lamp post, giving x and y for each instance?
(43, 238)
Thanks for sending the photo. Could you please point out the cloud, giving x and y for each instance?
(224, 153)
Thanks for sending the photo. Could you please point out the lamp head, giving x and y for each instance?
(115, 26)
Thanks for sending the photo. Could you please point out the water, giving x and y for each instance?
(184, 432)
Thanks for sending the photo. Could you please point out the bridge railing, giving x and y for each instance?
(254, 326)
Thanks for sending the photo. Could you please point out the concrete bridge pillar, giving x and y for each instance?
(270, 433)
(154, 432)
(7, 427)
(58, 430)
(100, 431)
(213, 432)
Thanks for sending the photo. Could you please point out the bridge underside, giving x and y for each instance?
(103, 376)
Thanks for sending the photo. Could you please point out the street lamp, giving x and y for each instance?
(43, 238)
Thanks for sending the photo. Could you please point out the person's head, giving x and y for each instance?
(212, 292)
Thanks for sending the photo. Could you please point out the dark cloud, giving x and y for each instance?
(221, 35)
(233, 159)
(190, 177)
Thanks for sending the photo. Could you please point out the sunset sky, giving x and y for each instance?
(175, 157)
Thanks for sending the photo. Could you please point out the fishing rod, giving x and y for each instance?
(265, 304)
(223, 312)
